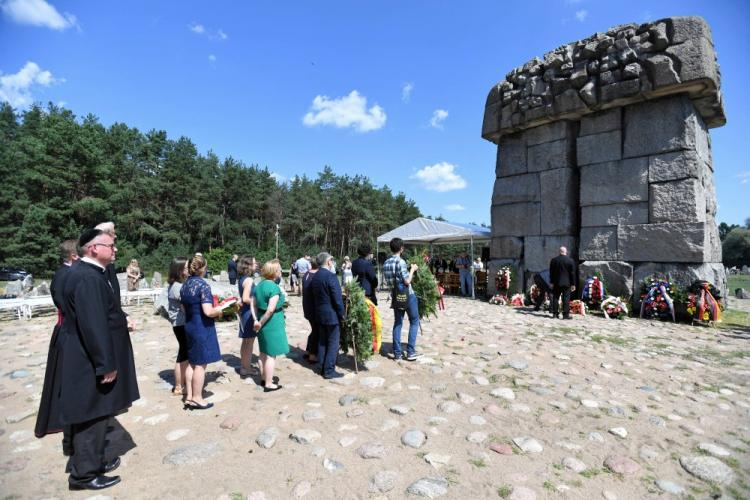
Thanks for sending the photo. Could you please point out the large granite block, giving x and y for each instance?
(617, 276)
(614, 215)
(660, 126)
(506, 247)
(516, 219)
(676, 201)
(511, 155)
(550, 132)
(599, 243)
(614, 182)
(491, 122)
(697, 60)
(713, 252)
(674, 166)
(663, 242)
(539, 250)
(598, 148)
(559, 190)
(605, 121)
(549, 155)
(516, 189)
(709, 188)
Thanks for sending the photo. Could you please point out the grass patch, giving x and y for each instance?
(735, 281)
(478, 463)
(557, 466)
(732, 318)
(236, 496)
(589, 473)
(504, 491)
(547, 485)
(451, 475)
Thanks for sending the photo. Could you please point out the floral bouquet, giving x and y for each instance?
(614, 307)
(503, 279)
(499, 300)
(593, 291)
(517, 300)
(230, 306)
(578, 307)
(534, 292)
(704, 302)
(656, 299)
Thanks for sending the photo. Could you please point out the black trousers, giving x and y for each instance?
(312, 339)
(89, 440)
(544, 289)
(328, 348)
(563, 291)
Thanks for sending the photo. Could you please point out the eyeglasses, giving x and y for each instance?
(111, 246)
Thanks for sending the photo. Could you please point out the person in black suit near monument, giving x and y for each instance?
(364, 272)
(562, 272)
(94, 376)
(329, 315)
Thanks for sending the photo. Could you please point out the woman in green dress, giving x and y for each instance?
(269, 302)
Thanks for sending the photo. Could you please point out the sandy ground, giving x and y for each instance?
(490, 376)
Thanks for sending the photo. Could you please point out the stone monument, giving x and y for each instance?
(603, 147)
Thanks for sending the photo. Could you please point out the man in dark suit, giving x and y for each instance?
(562, 272)
(364, 273)
(232, 269)
(329, 314)
(69, 255)
(111, 273)
(94, 377)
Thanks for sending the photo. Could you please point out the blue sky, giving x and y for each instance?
(393, 90)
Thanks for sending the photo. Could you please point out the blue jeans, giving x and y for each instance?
(328, 348)
(413, 313)
(467, 283)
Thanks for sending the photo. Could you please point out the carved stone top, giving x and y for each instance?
(627, 64)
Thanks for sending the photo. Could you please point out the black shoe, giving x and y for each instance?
(98, 483)
(413, 357)
(567, 317)
(266, 389)
(333, 375)
(195, 406)
(110, 466)
(263, 382)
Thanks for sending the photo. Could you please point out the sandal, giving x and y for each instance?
(266, 389)
(192, 405)
(177, 391)
(263, 382)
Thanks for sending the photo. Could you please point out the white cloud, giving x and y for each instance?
(346, 111)
(406, 91)
(211, 57)
(278, 177)
(37, 13)
(455, 207)
(16, 89)
(581, 15)
(438, 117)
(440, 177)
(221, 35)
(196, 28)
(744, 177)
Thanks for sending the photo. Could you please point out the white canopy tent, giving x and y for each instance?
(435, 232)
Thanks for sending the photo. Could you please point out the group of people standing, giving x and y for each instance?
(90, 375)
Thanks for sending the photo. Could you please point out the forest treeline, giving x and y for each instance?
(61, 174)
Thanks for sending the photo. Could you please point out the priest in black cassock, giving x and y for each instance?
(94, 376)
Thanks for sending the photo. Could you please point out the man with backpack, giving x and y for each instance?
(399, 279)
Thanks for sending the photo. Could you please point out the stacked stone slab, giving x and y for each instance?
(603, 147)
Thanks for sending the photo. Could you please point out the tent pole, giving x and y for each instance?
(377, 263)
(473, 286)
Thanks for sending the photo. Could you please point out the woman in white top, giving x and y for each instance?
(182, 371)
(346, 270)
(478, 265)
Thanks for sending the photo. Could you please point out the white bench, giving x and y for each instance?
(24, 307)
(147, 293)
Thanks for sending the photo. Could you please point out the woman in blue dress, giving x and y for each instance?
(246, 270)
(202, 343)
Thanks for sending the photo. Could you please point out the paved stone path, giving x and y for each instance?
(505, 404)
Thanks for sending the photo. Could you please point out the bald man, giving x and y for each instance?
(562, 271)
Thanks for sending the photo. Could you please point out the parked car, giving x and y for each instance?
(12, 273)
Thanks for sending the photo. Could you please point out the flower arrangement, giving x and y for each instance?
(503, 278)
(656, 298)
(614, 308)
(517, 300)
(359, 323)
(578, 307)
(231, 305)
(593, 291)
(704, 302)
(499, 300)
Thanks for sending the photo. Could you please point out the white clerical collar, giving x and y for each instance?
(92, 261)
